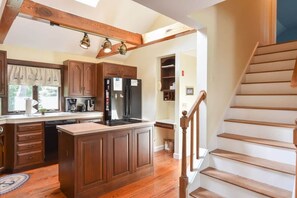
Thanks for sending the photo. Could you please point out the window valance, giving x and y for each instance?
(24, 75)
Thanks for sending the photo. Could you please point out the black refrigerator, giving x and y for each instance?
(122, 103)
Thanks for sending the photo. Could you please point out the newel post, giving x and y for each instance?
(295, 142)
(183, 180)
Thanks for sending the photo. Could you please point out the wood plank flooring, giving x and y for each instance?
(44, 182)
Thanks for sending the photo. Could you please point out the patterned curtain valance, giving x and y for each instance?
(23, 75)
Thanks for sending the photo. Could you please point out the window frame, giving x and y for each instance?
(4, 100)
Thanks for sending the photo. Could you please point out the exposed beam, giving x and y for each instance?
(115, 47)
(11, 10)
(71, 21)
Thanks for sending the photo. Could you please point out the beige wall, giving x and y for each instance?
(233, 29)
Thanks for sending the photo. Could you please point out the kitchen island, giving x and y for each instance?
(95, 159)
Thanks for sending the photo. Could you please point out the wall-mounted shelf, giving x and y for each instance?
(168, 78)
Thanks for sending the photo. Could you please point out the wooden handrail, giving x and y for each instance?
(184, 124)
(294, 76)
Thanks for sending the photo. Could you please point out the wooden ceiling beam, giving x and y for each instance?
(115, 47)
(78, 23)
(10, 12)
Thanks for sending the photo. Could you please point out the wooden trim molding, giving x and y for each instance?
(10, 12)
(34, 64)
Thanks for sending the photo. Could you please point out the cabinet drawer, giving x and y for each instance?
(29, 158)
(29, 127)
(29, 137)
(29, 146)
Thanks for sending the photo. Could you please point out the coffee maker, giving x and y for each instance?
(90, 104)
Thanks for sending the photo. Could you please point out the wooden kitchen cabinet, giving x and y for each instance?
(3, 67)
(27, 145)
(110, 70)
(168, 78)
(80, 79)
(143, 149)
(2, 149)
(120, 154)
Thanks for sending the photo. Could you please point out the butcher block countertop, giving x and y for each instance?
(88, 128)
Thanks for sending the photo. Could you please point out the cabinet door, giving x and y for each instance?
(1, 147)
(92, 158)
(129, 72)
(89, 79)
(76, 70)
(2, 73)
(110, 70)
(120, 154)
(143, 151)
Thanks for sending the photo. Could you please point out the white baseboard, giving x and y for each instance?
(159, 148)
(176, 156)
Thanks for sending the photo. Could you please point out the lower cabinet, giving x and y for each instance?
(2, 147)
(93, 164)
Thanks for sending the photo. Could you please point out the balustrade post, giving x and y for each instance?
(295, 143)
(183, 180)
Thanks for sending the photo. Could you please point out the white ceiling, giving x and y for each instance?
(124, 14)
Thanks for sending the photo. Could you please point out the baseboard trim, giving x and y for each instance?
(177, 156)
(159, 148)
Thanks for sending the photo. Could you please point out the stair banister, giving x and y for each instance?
(184, 124)
(294, 76)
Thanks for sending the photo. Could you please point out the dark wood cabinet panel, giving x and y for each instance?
(3, 66)
(143, 151)
(29, 146)
(76, 83)
(92, 157)
(89, 79)
(29, 158)
(111, 70)
(120, 153)
(80, 79)
(129, 72)
(29, 127)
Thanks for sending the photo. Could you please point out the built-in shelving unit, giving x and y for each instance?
(168, 78)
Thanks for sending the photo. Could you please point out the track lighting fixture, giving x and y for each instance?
(85, 42)
(122, 49)
(107, 46)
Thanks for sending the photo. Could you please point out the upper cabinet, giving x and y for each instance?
(3, 65)
(168, 78)
(109, 70)
(80, 79)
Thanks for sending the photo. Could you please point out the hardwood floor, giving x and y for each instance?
(44, 182)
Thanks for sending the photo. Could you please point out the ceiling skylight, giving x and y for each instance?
(92, 3)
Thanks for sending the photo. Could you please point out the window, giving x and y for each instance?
(47, 97)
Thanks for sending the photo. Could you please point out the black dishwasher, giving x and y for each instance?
(51, 139)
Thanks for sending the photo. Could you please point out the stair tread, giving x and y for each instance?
(265, 108)
(264, 163)
(266, 82)
(271, 71)
(203, 193)
(289, 59)
(275, 52)
(249, 184)
(262, 123)
(275, 44)
(258, 140)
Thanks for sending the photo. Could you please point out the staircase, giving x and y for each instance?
(256, 155)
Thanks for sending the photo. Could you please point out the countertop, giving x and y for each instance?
(87, 128)
(16, 119)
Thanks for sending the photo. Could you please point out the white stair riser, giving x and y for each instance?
(276, 48)
(265, 132)
(282, 155)
(288, 64)
(269, 77)
(266, 101)
(227, 190)
(275, 56)
(267, 88)
(280, 116)
(274, 178)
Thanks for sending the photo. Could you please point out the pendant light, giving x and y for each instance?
(122, 49)
(85, 42)
(107, 46)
